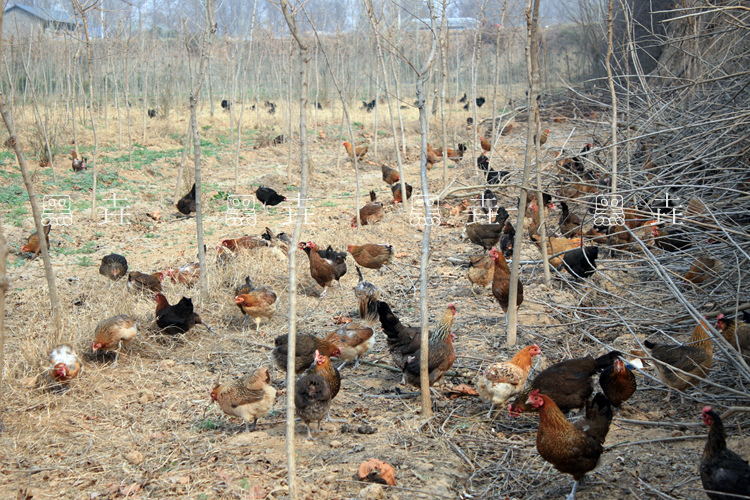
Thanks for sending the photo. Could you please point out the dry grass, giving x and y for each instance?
(146, 424)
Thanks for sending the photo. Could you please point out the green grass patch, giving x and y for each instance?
(328, 204)
(209, 424)
(143, 156)
(86, 248)
(17, 214)
(85, 261)
(13, 195)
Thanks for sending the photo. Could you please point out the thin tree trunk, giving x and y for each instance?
(423, 74)
(37, 218)
(41, 124)
(443, 85)
(194, 98)
(613, 96)
(242, 96)
(301, 213)
(4, 283)
(89, 56)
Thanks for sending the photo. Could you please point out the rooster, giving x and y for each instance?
(441, 354)
(79, 164)
(724, 474)
(501, 283)
(175, 319)
(365, 288)
(64, 364)
(32, 242)
(571, 448)
(186, 205)
(248, 398)
(356, 338)
(112, 333)
(360, 151)
(113, 266)
(501, 381)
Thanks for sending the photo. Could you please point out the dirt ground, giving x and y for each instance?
(145, 428)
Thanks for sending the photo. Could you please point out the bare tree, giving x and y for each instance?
(194, 98)
(290, 362)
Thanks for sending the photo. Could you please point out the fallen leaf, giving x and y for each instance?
(376, 471)
(156, 215)
(341, 320)
(322, 134)
(462, 390)
(131, 489)
(401, 255)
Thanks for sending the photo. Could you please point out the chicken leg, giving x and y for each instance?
(572, 495)
(489, 413)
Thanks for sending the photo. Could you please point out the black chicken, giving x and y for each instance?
(618, 383)
(175, 319)
(581, 262)
(488, 200)
(187, 204)
(724, 473)
(268, 196)
(492, 175)
(507, 237)
(113, 266)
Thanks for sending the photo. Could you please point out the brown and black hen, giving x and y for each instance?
(441, 353)
(312, 400)
(304, 353)
(175, 319)
(186, 205)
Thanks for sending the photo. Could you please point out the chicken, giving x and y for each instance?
(481, 270)
(188, 274)
(568, 383)
(323, 367)
(141, 282)
(507, 237)
(312, 400)
(64, 364)
(501, 283)
(113, 266)
(268, 197)
(371, 255)
(258, 303)
(281, 240)
(570, 223)
(248, 398)
(371, 213)
(360, 151)
(175, 319)
(397, 195)
(736, 334)
(695, 358)
(723, 472)
(543, 137)
(671, 239)
(485, 235)
(618, 383)
(186, 205)
(488, 202)
(581, 262)
(304, 353)
(356, 338)
(246, 287)
(390, 176)
(245, 243)
(557, 246)
(338, 259)
(432, 157)
(365, 288)
(32, 242)
(571, 448)
(501, 381)
(403, 341)
(79, 164)
(506, 130)
(441, 354)
(703, 268)
(113, 333)
(486, 146)
(323, 270)
(455, 155)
